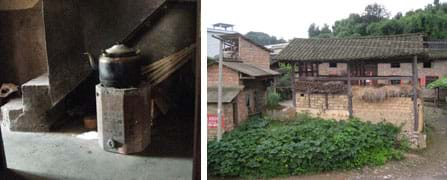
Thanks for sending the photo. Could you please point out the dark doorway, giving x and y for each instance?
(235, 114)
(2, 154)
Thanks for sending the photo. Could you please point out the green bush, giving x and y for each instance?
(307, 145)
(273, 99)
(439, 83)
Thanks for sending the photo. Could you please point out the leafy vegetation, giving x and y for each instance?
(264, 148)
(284, 83)
(273, 99)
(439, 83)
(376, 20)
(263, 38)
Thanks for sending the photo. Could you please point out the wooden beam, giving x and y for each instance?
(318, 69)
(415, 94)
(196, 167)
(311, 69)
(292, 79)
(349, 90)
(341, 78)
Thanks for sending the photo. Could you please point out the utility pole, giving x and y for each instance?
(219, 90)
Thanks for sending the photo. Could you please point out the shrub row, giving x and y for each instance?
(259, 148)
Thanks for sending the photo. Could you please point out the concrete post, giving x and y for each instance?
(219, 93)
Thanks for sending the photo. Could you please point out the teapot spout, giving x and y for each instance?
(91, 61)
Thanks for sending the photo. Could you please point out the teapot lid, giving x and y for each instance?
(120, 50)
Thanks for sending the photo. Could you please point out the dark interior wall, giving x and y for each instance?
(107, 22)
(22, 43)
(67, 65)
(173, 32)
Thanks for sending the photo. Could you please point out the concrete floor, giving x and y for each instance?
(60, 155)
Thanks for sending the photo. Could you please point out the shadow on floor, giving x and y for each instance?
(171, 135)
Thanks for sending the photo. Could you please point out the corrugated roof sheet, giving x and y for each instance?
(250, 69)
(362, 48)
(228, 94)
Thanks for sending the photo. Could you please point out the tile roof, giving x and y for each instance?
(250, 69)
(361, 48)
(437, 54)
(228, 94)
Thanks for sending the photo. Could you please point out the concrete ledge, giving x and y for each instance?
(11, 111)
(36, 102)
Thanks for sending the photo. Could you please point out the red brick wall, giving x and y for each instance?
(229, 76)
(438, 68)
(325, 70)
(241, 107)
(252, 54)
(227, 118)
(228, 115)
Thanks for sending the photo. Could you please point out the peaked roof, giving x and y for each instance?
(250, 69)
(228, 94)
(346, 49)
(235, 35)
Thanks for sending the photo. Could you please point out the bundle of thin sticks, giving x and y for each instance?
(163, 68)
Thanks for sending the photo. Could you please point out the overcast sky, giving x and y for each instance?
(291, 18)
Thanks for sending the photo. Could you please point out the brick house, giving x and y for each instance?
(334, 78)
(246, 75)
(433, 66)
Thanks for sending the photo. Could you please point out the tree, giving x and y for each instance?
(398, 16)
(313, 30)
(436, 3)
(263, 38)
(375, 20)
(325, 29)
(375, 12)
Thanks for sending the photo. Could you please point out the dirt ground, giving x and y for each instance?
(430, 163)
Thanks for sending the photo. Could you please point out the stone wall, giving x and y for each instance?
(229, 76)
(22, 41)
(67, 66)
(252, 54)
(396, 110)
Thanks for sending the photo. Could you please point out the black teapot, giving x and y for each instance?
(119, 66)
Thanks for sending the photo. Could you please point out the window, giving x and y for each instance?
(395, 65)
(427, 64)
(332, 65)
(395, 82)
(429, 79)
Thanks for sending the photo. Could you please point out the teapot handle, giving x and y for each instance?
(92, 62)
